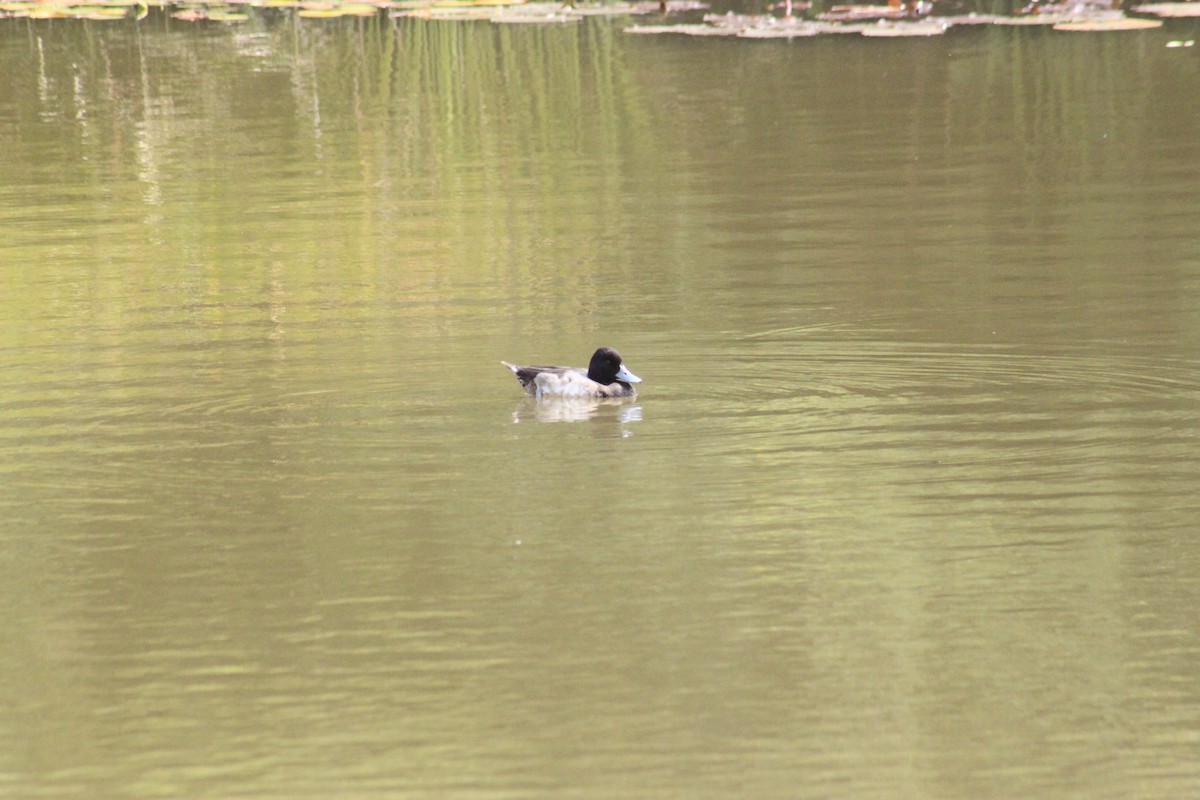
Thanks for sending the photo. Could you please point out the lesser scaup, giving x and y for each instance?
(606, 376)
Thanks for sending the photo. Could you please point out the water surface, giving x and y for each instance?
(906, 507)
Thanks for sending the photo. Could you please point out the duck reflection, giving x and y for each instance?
(618, 410)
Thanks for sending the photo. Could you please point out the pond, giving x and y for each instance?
(905, 507)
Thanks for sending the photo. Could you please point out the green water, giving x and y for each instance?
(906, 507)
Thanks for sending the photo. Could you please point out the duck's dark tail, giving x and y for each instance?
(524, 374)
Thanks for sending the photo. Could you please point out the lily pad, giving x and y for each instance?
(426, 4)
(330, 11)
(67, 10)
(635, 8)
(1122, 24)
(897, 29)
(98, 12)
(47, 12)
(427, 14)
(732, 20)
(1169, 9)
(554, 11)
(771, 27)
(860, 13)
(462, 14)
(782, 31)
(1035, 19)
(967, 19)
(765, 26)
(536, 10)
(685, 29)
(534, 19)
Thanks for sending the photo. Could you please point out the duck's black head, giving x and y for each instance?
(606, 368)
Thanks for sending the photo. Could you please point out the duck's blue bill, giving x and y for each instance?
(623, 374)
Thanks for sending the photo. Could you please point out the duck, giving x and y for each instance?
(606, 377)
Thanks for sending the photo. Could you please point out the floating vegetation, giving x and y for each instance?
(897, 18)
(747, 27)
(331, 10)
(507, 12)
(420, 4)
(536, 19)
(860, 13)
(501, 13)
(694, 29)
(908, 19)
(922, 28)
(797, 28)
(1034, 19)
(91, 10)
(637, 9)
(210, 13)
(1169, 9)
(224, 12)
(1122, 24)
